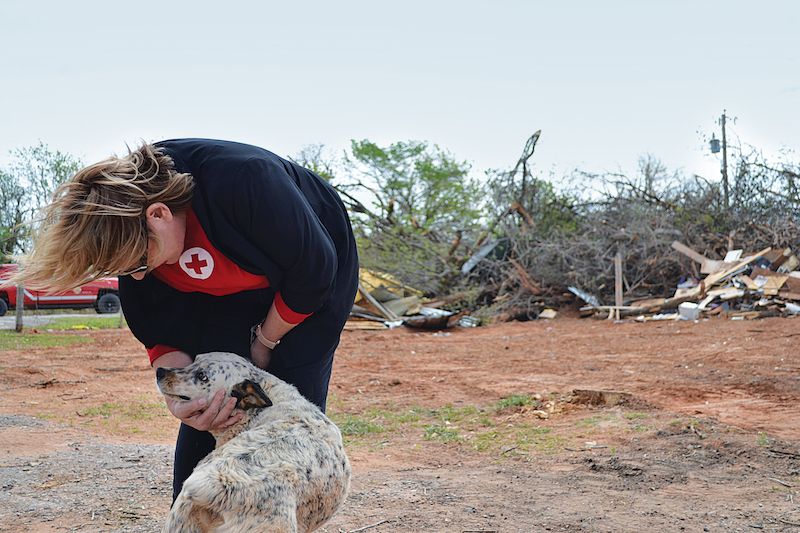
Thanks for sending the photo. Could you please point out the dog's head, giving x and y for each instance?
(210, 373)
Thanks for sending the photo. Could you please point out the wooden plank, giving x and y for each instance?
(748, 281)
(741, 264)
(710, 265)
(716, 277)
(364, 324)
(791, 263)
(691, 254)
(612, 307)
(773, 285)
(385, 312)
(791, 284)
(404, 306)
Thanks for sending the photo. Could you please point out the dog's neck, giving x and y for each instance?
(225, 434)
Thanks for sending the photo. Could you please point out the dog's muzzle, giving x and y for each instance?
(161, 375)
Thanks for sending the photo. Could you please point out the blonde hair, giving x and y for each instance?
(95, 224)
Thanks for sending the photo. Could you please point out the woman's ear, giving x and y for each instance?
(158, 211)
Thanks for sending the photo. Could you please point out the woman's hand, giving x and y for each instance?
(217, 416)
(260, 354)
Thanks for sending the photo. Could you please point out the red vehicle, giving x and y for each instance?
(102, 294)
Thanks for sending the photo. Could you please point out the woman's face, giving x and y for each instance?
(170, 230)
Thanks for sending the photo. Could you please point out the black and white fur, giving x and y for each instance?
(282, 468)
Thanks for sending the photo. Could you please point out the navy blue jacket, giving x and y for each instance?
(271, 217)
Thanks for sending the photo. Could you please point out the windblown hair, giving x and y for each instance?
(95, 225)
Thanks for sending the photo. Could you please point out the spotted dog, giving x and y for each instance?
(282, 468)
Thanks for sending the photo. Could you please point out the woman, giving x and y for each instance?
(219, 246)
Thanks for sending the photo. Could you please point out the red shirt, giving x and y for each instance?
(203, 268)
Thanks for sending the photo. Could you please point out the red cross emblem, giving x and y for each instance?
(197, 263)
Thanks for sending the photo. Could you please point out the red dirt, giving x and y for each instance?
(720, 449)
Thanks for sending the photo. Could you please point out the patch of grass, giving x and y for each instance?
(106, 410)
(588, 422)
(147, 411)
(11, 340)
(393, 418)
(515, 400)
(762, 439)
(485, 441)
(83, 322)
(352, 426)
(636, 418)
(484, 429)
(118, 417)
(440, 433)
(138, 410)
(450, 414)
(335, 403)
(539, 440)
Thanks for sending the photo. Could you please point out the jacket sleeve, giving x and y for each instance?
(272, 213)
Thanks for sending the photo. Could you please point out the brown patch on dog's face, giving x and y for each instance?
(250, 395)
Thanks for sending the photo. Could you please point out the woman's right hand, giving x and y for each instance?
(217, 416)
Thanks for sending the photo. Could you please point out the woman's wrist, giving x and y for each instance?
(264, 340)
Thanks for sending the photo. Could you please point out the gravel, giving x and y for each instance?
(85, 485)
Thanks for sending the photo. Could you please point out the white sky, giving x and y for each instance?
(605, 81)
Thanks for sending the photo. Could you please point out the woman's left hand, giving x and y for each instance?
(260, 354)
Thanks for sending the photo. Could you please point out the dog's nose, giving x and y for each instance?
(160, 373)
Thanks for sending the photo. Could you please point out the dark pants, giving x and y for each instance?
(193, 445)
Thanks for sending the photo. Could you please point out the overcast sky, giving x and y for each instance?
(605, 81)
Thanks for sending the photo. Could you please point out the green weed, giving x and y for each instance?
(107, 409)
(515, 400)
(11, 340)
(440, 433)
(588, 422)
(83, 322)
(352, 426)
(141, 410)
(484, 441)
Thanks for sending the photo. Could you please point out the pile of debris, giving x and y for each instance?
(741, 286)
(383, 302)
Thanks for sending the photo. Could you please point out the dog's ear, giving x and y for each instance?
(250, 395)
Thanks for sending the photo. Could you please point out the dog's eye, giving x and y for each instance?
(202, 376)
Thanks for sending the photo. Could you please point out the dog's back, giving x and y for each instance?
(285, 471)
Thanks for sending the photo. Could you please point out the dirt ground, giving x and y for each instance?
(706, 438)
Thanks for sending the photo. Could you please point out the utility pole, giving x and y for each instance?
(714, 143)
(725, 162)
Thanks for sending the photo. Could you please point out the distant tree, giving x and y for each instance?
(314, 157)
(12, 214)
(416, 185)
(415, 204)
(26, 186)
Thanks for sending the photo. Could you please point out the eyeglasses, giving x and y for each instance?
(141, 268)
